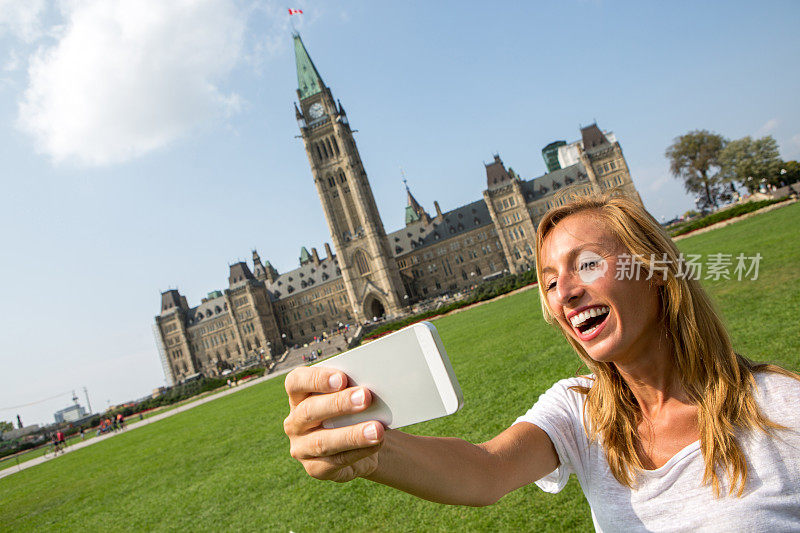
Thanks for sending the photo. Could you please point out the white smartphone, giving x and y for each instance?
(408, 373)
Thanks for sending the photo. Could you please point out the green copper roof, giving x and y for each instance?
(309, 81)
(304, 255)
(411, 215)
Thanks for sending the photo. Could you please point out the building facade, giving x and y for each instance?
(373, 273)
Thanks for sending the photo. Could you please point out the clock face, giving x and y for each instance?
(315, 111)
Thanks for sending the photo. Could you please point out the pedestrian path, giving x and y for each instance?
(285, 368)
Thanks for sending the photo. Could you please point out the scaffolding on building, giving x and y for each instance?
(162, 351)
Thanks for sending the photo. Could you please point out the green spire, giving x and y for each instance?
(411, 215)
(414, 211)
(305, 257)
(309, 81)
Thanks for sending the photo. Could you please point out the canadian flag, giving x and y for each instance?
(295, 11)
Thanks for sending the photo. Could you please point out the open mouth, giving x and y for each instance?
(589, 321)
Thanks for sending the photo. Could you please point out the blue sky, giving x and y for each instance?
(147, 145)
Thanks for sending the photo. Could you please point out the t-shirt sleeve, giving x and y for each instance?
(558, 412)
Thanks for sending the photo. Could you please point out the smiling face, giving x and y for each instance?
(613, 320)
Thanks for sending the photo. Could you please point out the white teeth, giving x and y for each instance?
(583, 316)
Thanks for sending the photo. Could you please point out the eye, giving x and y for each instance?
(551, 285)
(588, 265)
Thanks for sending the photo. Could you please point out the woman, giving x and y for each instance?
(672, 429)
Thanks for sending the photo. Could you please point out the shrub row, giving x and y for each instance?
(719, 216)
(184, 391)
(485, 291)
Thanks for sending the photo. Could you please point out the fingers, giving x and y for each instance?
(303, 381)
(344, 466)
(332, 442)
(312, 411)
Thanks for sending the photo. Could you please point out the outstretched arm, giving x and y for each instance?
(444, 470)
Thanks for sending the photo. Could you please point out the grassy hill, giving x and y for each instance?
(225, 465)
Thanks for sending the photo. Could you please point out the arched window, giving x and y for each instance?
(319, 154)
(361, 261)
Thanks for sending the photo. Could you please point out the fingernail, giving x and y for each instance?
(371, 432)
(357, 397)
(335, 381)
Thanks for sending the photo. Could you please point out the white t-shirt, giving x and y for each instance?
(673, 497)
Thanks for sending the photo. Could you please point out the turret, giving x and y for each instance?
(496, 174)
(239, 272)
(258, 267)
(171, 299)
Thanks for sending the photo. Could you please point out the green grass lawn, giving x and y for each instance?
(225, 464)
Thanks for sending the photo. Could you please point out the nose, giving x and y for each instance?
(568, 289)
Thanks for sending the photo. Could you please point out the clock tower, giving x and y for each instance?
(370, 273)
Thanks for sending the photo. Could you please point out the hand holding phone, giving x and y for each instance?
(401, 379)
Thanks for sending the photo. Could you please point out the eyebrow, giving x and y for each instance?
(575, 251)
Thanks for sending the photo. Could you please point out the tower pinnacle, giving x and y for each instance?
(309, 82)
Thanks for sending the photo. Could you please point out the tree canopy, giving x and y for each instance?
(751, 162)
(694, 158)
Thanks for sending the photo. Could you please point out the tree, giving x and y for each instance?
(694, 158)
(751, 162)
(5, 426)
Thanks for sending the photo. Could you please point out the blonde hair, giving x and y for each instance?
(716, 379)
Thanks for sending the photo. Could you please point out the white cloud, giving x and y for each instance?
(12, 62)
(21, 18)
(768, 127)
(126, 77)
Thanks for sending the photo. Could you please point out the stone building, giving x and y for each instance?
(373, 273)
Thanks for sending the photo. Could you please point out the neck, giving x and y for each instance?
(651, 375)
